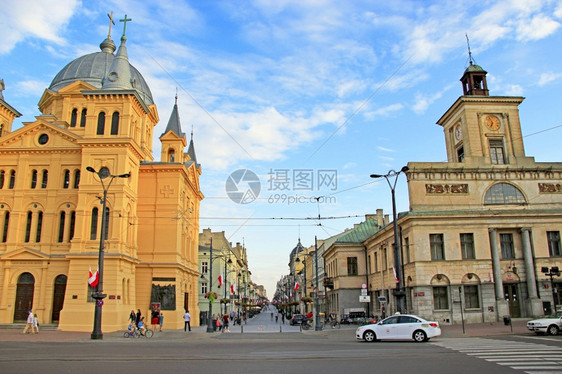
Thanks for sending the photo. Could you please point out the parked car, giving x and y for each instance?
(399, 327)
(548, 325)
(297, 319)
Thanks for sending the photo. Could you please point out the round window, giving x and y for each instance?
(43, 139)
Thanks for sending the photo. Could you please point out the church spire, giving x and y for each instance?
(174, 123)
(191, 150)
(119, 75)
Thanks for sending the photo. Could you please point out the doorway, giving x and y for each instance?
(24, 296)
(58, 297)
(511, 293)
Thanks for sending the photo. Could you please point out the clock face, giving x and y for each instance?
(458, 132)
(492, 122)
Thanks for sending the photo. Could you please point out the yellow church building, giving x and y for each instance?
(94, 139)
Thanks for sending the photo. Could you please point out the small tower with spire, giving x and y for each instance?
(474, 77)
(173, 139)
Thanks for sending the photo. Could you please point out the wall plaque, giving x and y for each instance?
(446, 188)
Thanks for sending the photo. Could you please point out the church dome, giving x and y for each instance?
(93, 67)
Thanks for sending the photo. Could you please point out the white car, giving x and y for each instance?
(399, 327)
(548, 325)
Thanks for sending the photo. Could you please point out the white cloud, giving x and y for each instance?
(514, 90)
(385, 149)
(41, 19)
(31, 88)
(538, 27)
(422, 102)
(384, 111)
(547, 78)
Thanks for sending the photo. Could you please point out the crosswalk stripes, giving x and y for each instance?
(532, 358)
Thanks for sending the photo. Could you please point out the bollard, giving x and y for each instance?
(280, 329)
(241, 329)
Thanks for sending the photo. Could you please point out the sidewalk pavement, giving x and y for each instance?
(260, 324)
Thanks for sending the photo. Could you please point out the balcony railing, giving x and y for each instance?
(329, 282)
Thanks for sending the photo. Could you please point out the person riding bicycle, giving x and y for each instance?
(141, 326)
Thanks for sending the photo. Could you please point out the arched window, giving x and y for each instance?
(76, 178)
(33, 178)
(45, 179)
(115, 123)
(2, 179)
(94, 224)
(106, 224)
(171, 155)
(39, 227)
(1, 129)
(72, 225)
(61, 226)
(66, 181)
(101, 123)
(83, 118)
(28, 227)
(6, 224)
(12, 179)
(73, 117)
(504, 194)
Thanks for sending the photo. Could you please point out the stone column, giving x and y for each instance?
(534, 304)
(501, 305)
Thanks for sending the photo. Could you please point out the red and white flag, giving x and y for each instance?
(297, 286)
(94, 278)
(220, 280)
(233, 288)
(395, 277)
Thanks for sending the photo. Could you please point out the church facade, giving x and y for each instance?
(93, 144)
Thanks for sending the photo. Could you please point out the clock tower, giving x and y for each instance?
(481, 129)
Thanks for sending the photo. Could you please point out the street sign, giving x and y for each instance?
(364, 299)
(363, 292)
(364, 285)
(382, 299)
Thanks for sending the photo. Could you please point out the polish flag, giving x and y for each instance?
(297, 286)
(395, 277)
(220, 280)
(233, 288)
(94, 278)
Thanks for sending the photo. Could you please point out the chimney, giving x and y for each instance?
(386, 220)
(380, 221)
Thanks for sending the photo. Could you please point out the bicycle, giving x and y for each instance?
(335, 324)
(137, 334)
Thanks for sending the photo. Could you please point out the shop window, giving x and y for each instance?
(440, 298)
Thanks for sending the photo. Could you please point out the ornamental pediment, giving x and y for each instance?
(24, 254)
(41, 136)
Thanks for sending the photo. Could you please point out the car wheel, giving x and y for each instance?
(419, 336)
(369, 336)
(552, 330)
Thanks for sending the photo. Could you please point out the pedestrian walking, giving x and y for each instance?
(225, 327)
(271, 315)
(28, 322)
(161, 320)
(283, 318)
(187, 319)
(154, 318)
(35, 324)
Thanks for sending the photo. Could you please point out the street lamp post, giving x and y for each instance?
(317, 326)
(553, 271)
(98, 295)
(399, 293)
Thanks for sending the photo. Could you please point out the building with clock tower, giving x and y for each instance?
(482, 234)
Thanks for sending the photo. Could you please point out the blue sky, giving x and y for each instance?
(313, 87)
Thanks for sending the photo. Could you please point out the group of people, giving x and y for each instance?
(136, 320)
(31, 324)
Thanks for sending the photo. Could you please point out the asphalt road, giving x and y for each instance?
(262, 348)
